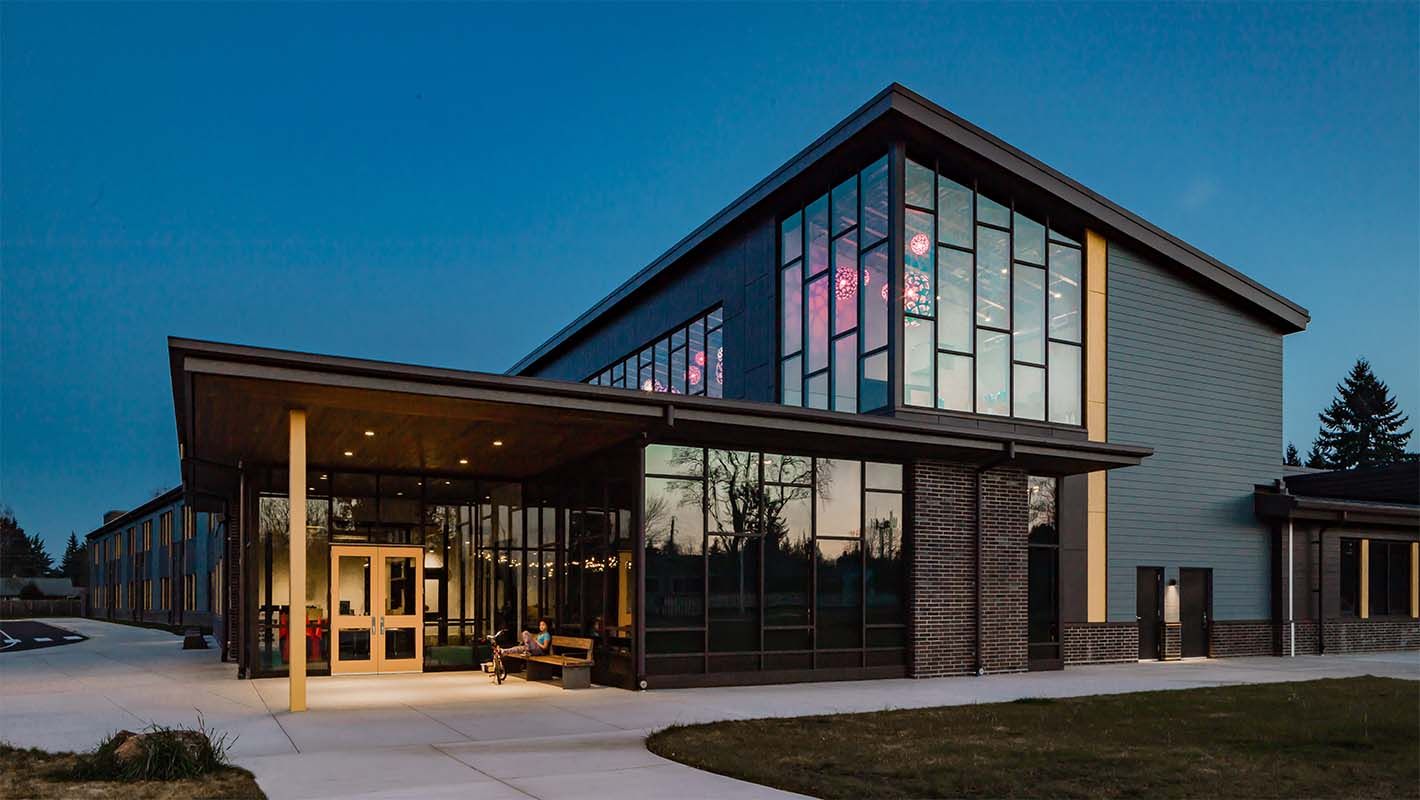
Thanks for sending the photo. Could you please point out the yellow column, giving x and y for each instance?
(1096, 518)
(1415, 579)
(1365, 588)
(296, 643)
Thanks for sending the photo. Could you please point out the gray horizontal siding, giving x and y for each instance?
(1200, 381)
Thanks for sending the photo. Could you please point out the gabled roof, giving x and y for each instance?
(900, 103)
(47, 587)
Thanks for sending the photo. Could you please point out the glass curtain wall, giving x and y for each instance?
(833, 294)
(760, 561)
(497, 556)
(992, 303)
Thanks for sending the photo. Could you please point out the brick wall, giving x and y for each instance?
(1372, 635)
(1101, 643)
(1005, 517)
(1173, 641)
(943, 569)
(1244, 638)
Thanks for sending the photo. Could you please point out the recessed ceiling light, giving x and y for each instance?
(497, 442)
(322, 477)
(369, 433)
(401, 494)
(349, 453)
(446, 483)
(463, 461)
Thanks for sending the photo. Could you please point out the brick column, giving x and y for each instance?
(943, 569)
(1005, 517)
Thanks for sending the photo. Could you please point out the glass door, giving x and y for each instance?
(352, 621)
(401, 621)
(378, 615)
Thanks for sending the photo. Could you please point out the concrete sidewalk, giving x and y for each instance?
(457, 734)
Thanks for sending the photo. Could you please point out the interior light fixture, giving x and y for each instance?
(446, 483)
(463, 461)
(369, 433)
(349, 453)
(497, 442)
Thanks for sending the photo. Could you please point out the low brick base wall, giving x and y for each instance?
(1101, 643)
(1173, 641)
(1230, 638)
(1371, 635)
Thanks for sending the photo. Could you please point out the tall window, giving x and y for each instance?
(1043, 577)
(1350, 577)
(833, 294)
(757, 561)
(1389, 578)
(688, 360)
(992, 302)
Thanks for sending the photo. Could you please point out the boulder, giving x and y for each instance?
(132, 747)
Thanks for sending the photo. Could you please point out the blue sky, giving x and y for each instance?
(450, 184)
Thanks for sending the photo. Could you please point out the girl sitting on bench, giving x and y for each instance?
(532, 645)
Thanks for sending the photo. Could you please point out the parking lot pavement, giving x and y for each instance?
(456, 734)
(27, 634)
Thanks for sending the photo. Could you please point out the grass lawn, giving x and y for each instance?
(1357, 737)
(38, 774)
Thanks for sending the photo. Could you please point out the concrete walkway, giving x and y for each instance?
(458, 735)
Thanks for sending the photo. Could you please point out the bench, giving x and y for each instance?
(576, 671)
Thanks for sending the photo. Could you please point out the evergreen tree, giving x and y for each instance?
(1362, 426)
(21, 555)
(1315, 457)
(1291, 458)
(72, 565)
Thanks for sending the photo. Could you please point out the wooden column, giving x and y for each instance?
(296, 621)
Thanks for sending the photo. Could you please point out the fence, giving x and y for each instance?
(16, 608)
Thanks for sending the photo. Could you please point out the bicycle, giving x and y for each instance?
(499, 671)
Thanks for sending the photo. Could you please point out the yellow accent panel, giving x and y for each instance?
(1415, 579)
(1096, 423)
(1095, 567)
(1365, 588)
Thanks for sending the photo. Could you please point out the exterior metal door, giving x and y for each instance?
(1149, 602)
(1195, 607)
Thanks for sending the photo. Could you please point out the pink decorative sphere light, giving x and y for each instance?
(916, 294)
(920, 244)
(845, 286)
(700, 358)
(694, 372)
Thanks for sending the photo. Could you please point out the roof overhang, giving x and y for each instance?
(1279, 507)
(231, 404)
(899, 106)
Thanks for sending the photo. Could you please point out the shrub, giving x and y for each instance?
(158, 753)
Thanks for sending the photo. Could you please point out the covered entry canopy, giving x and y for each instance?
(232, 401)
(528, 496)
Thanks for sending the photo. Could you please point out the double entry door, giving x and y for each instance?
(377, 620)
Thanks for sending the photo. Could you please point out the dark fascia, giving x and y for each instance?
(1269, 503)
(898, 101)
(191, 356)
(133, 515)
